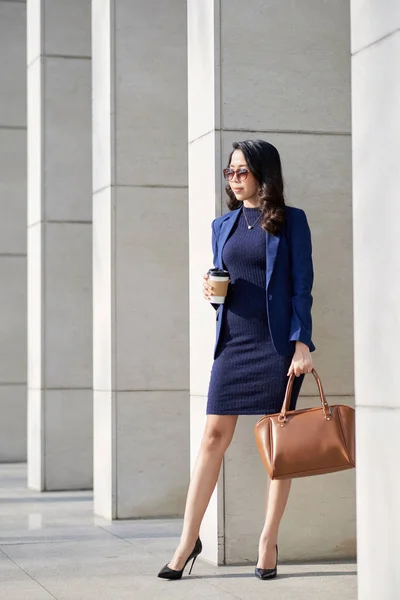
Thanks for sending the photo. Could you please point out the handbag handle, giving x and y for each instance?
(286, 402)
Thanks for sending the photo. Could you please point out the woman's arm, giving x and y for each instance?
(302, 279)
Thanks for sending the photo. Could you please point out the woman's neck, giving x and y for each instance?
(251, 203)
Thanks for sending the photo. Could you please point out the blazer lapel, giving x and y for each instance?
(272, 242)
(226, 228)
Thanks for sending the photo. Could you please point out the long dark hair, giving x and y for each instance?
(264, 163)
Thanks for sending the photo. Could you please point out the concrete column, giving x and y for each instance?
(140, 216)
(59, 245)
(12, 231)
(281, 72)
(376, 177)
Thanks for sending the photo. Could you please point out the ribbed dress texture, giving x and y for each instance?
(248, 376)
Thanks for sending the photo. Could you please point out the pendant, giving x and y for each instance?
(249, 227)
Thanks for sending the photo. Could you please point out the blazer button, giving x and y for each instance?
(270, 297)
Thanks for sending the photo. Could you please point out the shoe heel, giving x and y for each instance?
(192, 564)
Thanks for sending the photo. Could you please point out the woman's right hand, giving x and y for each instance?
(207, 288)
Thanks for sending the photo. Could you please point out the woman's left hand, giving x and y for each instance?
(302, 360)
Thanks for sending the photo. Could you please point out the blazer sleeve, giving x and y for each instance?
(302, 279)
(214, 242)
(214, 249)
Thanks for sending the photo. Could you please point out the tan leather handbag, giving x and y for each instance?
(312, 441)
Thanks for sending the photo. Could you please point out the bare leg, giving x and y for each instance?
(217, 436)
(277, 496)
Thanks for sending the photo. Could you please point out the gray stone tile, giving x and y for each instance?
(12, 190)
(13, 423)
(66, 110)
(13, 477)
(80, 570)
(150, 481)
(152, 296)
(12, 64)
(52, 534)
(294, 582)
(67, 456)
(298, 79)
(144, 529)
(69, 439)
(59, 108)
(27, 514)
(151, 93)
(68, 305)
(67, 27)
(13, 319)
(67, 339)
(147, 482)
(15, 584)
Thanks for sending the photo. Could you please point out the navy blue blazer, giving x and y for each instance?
(289, 278)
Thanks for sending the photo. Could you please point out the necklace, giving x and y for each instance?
(248, 224)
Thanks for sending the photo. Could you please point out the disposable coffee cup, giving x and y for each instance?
(219, 280)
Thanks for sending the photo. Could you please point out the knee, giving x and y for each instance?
(216, 439)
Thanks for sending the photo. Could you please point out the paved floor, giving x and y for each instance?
(51, 546)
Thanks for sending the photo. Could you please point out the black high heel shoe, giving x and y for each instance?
(267, 573)
(167, 573)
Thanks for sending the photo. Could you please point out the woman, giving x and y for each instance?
(263, 332)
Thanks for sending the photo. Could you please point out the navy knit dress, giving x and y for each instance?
(248, 376)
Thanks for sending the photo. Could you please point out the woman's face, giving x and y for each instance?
(246, 189)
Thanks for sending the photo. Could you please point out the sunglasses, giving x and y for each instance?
(241, 174)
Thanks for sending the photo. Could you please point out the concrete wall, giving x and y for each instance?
(376, 175)
(141, 395)
(253, 72)
(60, 404)
(12, 231)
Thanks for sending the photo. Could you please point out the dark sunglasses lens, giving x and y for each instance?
(241, 174)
